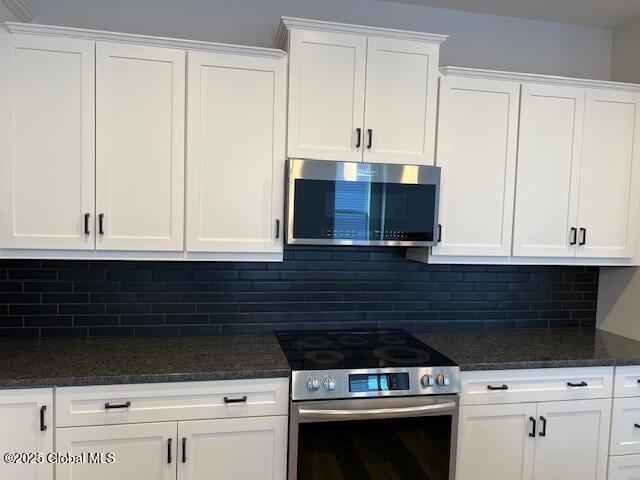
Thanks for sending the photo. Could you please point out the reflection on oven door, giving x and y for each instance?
(391, 449)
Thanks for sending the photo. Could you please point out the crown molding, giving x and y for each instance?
(19, 9)
(106, 36)
(288, 23)
(536, 78)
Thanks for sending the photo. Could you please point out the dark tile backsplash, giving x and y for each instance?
(333, 287)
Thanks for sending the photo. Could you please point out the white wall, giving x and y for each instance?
(477, 40)
(625, 64)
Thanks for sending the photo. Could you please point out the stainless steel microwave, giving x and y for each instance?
(349, 203)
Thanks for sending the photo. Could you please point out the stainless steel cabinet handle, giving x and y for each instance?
(375, 412)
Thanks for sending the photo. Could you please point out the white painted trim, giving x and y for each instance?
(422, 255)
(19, 9)
(288, 23)
(536, 78)
(106, 36)
(140, 256)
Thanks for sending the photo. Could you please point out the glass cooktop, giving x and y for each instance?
(314, 350)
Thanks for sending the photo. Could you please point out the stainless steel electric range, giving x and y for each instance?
(369, 405)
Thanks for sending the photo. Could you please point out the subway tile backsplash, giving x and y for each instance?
(332, 287)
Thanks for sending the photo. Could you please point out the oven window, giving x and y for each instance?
(391, 449)
(327, 209)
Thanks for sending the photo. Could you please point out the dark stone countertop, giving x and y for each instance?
(82, 361)
(511, 349)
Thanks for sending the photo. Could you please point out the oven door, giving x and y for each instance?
(398, 438)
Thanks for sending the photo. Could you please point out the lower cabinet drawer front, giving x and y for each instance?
(624, 468)
(627, 382)
(120, 404)
(536, 385)
(625, 426)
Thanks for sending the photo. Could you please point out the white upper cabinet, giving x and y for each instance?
(361, 93)
(46, 142)
(401, 101)
(610, 177)
(140, 105)
(236, 153)
(326, 98)
(477, 148)
(546, 209)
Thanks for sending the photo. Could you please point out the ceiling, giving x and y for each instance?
(597, 13)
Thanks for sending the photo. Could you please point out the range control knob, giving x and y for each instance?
(330, 384)
(442, 379)
(427, 380)
(313, 384)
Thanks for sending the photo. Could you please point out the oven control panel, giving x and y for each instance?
(381, 382)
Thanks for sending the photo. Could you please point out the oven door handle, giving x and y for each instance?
(376, 412)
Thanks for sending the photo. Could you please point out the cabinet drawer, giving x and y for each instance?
(118, 404)
(624, 468)
(625, 436)
(539, 385)
(627, 382)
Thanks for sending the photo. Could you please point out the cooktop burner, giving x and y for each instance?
(357, 349)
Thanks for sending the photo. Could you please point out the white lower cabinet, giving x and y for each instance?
(237, 448)
(227, 430)
(624, 468)
(540, 424)
(140, 451)
(25, 427)
(544, 441)
(574, 445)
(494, 442)
(624, 446)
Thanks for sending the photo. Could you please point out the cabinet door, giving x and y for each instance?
(236, 448)
(609, 177)
(575, 444)
(624, 468)
(326, 95)
(401, 101)
(26, 426)
(46, 142)
(551, 119)
(140, 451)
(494, 442)
(236, 153)
(140, 103)
(477, 148)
